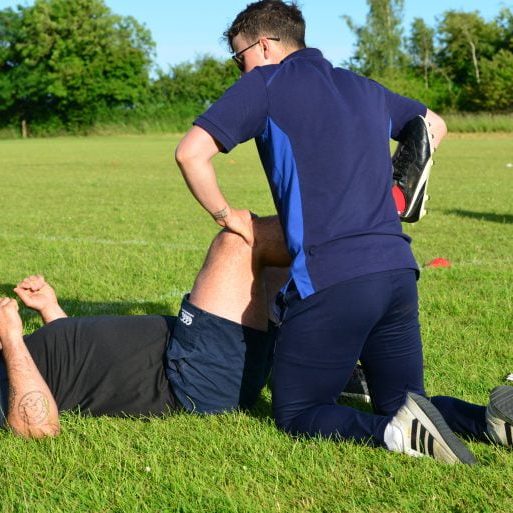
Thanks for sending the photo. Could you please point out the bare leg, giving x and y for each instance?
(232, 282)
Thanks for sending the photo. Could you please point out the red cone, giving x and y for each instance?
(439, 262)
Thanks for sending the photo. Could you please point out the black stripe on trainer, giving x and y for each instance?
(509, 434)
(414, 428)
(431, 441)
(442, 430)
(422, 439)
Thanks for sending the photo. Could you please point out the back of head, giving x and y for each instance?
(269, 18)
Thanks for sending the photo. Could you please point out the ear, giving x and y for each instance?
(266, 47)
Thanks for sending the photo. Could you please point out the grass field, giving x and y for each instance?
(110, 223)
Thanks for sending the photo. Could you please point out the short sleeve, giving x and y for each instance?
(240, 114)
(401, 110)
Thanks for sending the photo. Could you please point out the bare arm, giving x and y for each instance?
(32, 411)
(437, 128)
(194, 156)
(39, 295)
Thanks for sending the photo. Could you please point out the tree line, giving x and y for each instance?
(463, 63)
(68, 66)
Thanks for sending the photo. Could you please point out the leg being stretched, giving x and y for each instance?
(234, 282)
(222, 346)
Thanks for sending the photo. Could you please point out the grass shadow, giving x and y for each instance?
(6, 289)
(262, 409)
(80, 308)
(482, 216)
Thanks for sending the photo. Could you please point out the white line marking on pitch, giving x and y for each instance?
(109, 242)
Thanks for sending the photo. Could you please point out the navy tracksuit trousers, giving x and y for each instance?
(373, 318)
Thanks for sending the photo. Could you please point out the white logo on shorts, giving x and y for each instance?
(186, 317)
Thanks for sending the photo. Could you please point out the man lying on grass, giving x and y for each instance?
(214, 357)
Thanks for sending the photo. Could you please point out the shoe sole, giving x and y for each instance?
(423, 183)
(500, 408)
(432, 420)
(421, 189)
(501, 403)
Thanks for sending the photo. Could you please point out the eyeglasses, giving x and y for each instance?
(239, 60)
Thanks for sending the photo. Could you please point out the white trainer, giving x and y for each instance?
(418, 429)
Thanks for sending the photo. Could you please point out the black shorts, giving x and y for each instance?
(106, 365)
(215, 365)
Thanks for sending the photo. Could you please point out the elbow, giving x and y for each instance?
(441, 127)
(46, 432)
(439, 131)
(185, 155)
(185, 160)
(438, 126)
(180, 155)
(196, 148)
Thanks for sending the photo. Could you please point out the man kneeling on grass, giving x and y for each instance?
(323, 135)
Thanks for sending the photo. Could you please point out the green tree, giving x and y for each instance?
(421, 47)
(496, 86)
(472, 53)
(72, 61)
(465, 38)
(197, 84)
(379, 41)
(505, 23)
(9, 26)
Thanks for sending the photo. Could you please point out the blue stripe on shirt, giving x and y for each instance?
(280, 164)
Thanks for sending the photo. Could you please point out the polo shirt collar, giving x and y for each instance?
(306, 53)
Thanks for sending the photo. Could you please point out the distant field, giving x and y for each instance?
(176, 121)
(110, 223)
(479, 122)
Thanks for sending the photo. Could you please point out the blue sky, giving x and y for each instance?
(185, 29)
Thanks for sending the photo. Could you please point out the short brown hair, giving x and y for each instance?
(271, 18)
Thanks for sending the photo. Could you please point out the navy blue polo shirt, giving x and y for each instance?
(322, 134)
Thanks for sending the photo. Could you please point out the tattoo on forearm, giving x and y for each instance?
(34, 408)
(221, 214)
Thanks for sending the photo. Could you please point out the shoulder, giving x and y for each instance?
(358, 79)
(264, 74)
